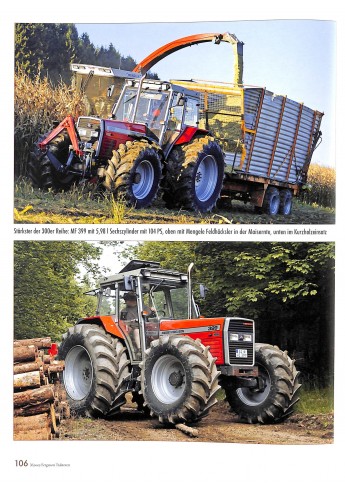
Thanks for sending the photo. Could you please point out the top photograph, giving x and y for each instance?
(175, 123)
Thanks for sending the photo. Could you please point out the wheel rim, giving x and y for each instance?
(253, 397)
(78, 373)
(206, 178)
(168, 379)
(143, 179)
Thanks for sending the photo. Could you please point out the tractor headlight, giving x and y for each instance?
(234, 337)
(247, 337)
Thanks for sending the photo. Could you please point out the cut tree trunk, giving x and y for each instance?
(27, 380)
(33, 435)
(32, 410)
(27, 367)
(33, 397)
(35, 422)
(25, 353)
(40, 343)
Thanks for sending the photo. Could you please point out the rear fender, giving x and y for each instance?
(189, 133)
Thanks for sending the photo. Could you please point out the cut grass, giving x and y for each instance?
(82, 205)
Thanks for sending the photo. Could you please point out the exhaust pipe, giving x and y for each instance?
(190, 290)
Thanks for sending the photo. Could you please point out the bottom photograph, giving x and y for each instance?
(227, 342)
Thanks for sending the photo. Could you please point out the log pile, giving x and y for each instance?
(39, 399)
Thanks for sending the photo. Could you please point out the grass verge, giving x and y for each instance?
(316, 401)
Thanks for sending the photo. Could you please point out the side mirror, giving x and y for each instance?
(129, 283)
(180, 99)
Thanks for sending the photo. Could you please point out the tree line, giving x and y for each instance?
(48, 49)
(287, 288)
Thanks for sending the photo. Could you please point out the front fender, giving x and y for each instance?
(189, 133)
(107, 322)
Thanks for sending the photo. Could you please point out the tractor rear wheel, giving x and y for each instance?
(134, 173)
(274, 400)
(41, 171)
(95, 365)
(194, 175)
(179, 379)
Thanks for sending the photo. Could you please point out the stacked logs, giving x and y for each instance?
(39, 398)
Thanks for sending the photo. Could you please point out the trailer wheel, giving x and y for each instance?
(274, 401)
(271, 201)
(95, 364)
(134, 173)
(194, 175)
(179, 379)
(40, 170)
(285, 205)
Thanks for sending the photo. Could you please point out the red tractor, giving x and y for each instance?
(152, 134)
(148, 338)
(150, 141)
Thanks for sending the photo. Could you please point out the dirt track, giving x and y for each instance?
(219, 426)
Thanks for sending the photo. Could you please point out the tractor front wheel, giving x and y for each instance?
(95, 365)
(41, 171)
(276, 394)
(134, 173)
(179, 379)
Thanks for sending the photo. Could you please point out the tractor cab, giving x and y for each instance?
(140, 297)
(164, 108)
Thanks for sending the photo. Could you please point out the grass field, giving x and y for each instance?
(79, 206)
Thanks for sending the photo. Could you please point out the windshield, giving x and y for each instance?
(171, 303)
(151, 110)
(106, 302)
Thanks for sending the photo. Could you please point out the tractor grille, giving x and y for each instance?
(88, 128)
(241, 352)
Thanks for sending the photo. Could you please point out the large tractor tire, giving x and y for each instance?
(179, 379)
(194, 175)
(41, 171)
(134, 173)
(274, 401)
(95, 365)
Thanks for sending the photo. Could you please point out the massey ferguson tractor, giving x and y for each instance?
(151, 140)
(148, 338)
